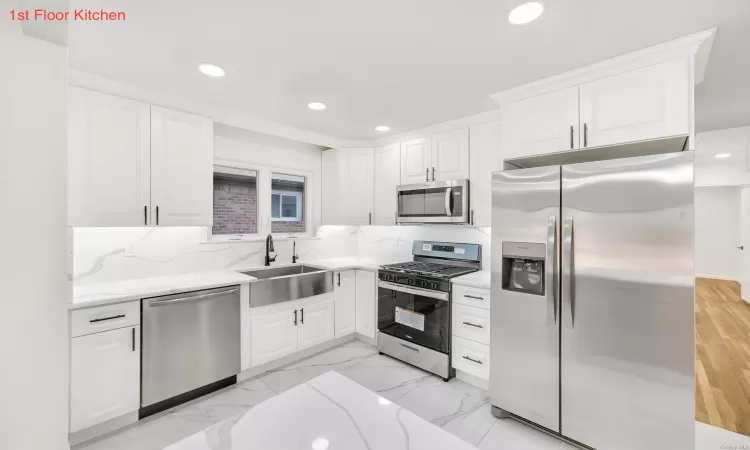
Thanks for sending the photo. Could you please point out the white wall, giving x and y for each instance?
(731, 171)
(717, 232)
(35, 290)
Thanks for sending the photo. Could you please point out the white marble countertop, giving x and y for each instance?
(344, 263)
(327, 412)
(90, 295)
(480, 279)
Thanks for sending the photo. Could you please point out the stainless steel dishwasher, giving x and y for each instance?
(191, 346)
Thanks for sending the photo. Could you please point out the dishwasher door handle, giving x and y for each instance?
(193, 298)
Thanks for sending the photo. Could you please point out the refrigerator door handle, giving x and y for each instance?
(551, 267)
(567, 257)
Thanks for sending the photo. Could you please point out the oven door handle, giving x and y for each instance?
(416, 291)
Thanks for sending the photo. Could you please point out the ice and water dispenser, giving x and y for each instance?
(523, 267)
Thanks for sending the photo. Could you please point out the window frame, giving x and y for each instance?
(281, 193)
(265, 221)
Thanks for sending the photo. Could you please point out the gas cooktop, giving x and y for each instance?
(425, 269)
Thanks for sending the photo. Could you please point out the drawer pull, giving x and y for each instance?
(472, 360)
(473, 325)
(410, 348)
(119, 316)
(474, 297)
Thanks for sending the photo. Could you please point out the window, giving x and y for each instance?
(235, 201)
(255, 202)
(287, 203)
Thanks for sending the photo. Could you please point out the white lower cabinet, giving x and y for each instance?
(470, 344)
(104, 376)
(471, 357)
(273, 334)
(366, 303)
(315, 324)
(344, 295)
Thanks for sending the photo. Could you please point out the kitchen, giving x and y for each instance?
(180, 197)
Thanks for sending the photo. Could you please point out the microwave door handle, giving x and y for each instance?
(448, 207)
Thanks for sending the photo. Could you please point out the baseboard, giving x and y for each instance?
(368, 340)
(294, 357)
(473, 380)
(103, 428)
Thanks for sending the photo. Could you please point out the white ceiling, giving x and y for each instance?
(402, 63)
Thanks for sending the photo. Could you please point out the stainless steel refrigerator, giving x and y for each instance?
(592, 322)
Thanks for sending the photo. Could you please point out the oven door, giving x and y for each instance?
(437, 202)
(416, 315)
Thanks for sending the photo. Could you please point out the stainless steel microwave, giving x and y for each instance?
(436, 202)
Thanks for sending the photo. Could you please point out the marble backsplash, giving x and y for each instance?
(113, 254)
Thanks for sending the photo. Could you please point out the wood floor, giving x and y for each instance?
(722, 356)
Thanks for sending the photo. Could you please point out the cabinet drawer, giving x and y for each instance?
(471, 323)
(471, 296)
(471, 357)
(103, 318)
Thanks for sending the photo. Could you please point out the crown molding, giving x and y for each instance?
(697, 45)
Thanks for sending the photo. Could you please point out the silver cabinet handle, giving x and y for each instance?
(551, 267)
(474, 297)
(585, 135)
(192, 298)
(302, 316)
(433, 174)
(157, 215)
(133, 330)
(339, 278)
(448, 193)
(145, 215)
(119, 316)
(472, 325)
(369, 218)
(410, 348)
(472, 217)
(567, 257)
(472, 360)
(571, 136)
(427, 174)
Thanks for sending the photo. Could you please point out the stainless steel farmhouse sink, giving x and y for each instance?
(283, 284)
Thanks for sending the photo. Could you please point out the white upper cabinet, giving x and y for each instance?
(416, 161)
(450, 155)
(127, 158)
(366, 289)
(546, 123)
(105, 373)
(344, 296)
(641, 104)
(347, 186)
(387, 178)
(108, 160)
(181, 168)
(485, 159)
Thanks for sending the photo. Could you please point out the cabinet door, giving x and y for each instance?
(543, 124)
(332, 201)
(366, 305)
(485, 150)
(108, 160)
(416, 161)
(315, 324)
(181, 168)
(641, 104)
(104, 376)
(356, 172)
(344, 296)
(387, 176)
(272, 335)
(450, 155)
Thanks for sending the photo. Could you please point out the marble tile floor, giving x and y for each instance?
(457, 407)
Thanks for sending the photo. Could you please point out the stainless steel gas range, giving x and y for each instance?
(414, 303)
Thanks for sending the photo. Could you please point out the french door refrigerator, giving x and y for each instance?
(592, 301)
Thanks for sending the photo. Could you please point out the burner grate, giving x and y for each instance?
(429, 269)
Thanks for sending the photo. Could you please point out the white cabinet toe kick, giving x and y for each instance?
(416, 355)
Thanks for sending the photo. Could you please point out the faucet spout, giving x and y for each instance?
(269, 249)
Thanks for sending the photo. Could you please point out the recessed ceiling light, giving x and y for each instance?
(525, 13)
(212, 70)
(382, 128)
(722, 155)
(317, 106)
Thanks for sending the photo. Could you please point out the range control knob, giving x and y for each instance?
(410, 281)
